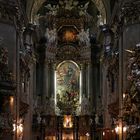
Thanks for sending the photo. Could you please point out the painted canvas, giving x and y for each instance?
(67, 86)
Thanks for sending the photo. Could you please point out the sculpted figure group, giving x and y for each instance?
(51, 36)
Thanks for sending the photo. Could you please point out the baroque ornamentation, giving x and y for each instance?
(113, 71)
(6, 77)
(27, 55)
(6, 123)
(67, 5)
(8, 13)
(84, 39)
(131, 97)
(26, 58)
(130, 12)
(3, 60)
(49, 106)
(68, 52)
(98, 3)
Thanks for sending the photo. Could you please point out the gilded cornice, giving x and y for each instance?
(71, 21)
(68, 52)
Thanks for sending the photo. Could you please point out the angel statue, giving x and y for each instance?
(83, 37)
(83, 9)
(51, 35)
(68, 4)
(52, 9)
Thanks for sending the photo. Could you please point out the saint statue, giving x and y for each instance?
(4, 56)
(50, 106)
(51, 35)
(3, 62)
(52, 9)
(68, 4)
(85, 106)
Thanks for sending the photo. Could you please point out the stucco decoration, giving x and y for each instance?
(99, 4)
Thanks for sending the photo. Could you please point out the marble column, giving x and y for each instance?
(83, 80)
(49, 80)
(17, 95)
(46, 81)
(89, 74)
(75, 129)
(52, 81)
(120, 86)
(27, 133)
(86, 80)
(59, 128)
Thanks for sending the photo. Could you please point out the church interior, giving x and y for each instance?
(69, 69)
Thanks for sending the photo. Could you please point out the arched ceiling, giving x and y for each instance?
(36, 4)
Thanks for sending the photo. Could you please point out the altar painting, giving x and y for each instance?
(67, 86)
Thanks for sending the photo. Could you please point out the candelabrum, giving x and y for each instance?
(18, 129)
